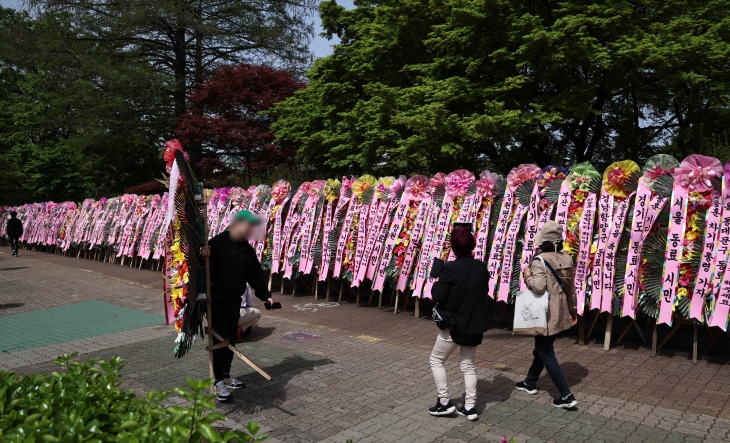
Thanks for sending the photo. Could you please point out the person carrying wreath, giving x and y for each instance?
(233, 264)
(561, 314)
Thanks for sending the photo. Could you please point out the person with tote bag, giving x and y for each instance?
(460, 295)
(551, 272)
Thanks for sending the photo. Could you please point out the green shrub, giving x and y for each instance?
(85, 404)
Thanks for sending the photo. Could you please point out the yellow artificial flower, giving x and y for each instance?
(681, 292)
(594, 248)
(383, 184)
(615, 176)
(362, 184)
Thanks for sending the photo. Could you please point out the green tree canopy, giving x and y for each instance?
(429, 85)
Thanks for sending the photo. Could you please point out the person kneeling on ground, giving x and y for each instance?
(461, 290)
(233, 264)
(561, 314)
(249, 315)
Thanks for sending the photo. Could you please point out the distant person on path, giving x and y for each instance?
(561, 314)
(14, 230)
(464, 278)
(249, 315)
(233, 265)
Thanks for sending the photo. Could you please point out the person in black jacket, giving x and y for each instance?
(14, 230)
(233, 263)
(464, 277)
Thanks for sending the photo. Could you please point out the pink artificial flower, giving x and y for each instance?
(521, 174)
(457, 182)
(416, 188)
(437, 180)
(280, 191)
(486, 182)
(169, 154)
(695, 173)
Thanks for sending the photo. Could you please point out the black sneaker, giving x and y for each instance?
(568, 403)
(521, 386)
(440, 409)
(470, 414)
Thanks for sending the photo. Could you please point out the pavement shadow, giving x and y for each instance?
(492, 391)
(14, 269)
(11, 305)
(259, 333)
(261, 394)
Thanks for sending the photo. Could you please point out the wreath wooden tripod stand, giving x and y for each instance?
(202, 203)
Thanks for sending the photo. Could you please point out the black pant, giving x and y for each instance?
(225, 323)
(544, 358)
(14, 242)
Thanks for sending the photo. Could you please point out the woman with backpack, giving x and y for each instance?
(461, 297)
(556, 276)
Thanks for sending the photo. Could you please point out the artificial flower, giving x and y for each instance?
(457, 182)
(580, 176)
(168, 154)
(331, 189)
(696, 172)
(416, 188)
(616, 176)
(383, 186)
(362, 184)
(521, 174)
(280, 190)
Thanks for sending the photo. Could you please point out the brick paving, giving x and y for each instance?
(365, 374)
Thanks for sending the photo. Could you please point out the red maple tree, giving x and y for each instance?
(225, 118)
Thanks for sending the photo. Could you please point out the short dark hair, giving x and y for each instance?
(462, 241)
(13, 213)
(548, 246)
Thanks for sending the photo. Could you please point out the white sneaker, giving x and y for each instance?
(221, 391)
(234, 383)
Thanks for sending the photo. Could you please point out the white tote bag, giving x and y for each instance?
(531, 311)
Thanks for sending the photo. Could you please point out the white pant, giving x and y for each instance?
(442, 350)
(249, 317)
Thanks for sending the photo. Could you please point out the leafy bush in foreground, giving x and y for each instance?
(85, 404)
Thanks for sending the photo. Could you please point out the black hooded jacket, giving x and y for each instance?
(470, 277)
(232, 265)
(14, 228)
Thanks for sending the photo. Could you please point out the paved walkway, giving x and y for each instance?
(341, 372)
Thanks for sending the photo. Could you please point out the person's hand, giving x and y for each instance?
(205, 251)
(527, 272)
(574, 317)
(270, 301)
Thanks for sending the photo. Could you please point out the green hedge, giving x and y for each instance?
(85, 404)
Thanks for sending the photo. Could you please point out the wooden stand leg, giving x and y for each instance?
(271, 278)
(241, 356)
(397, 293)
(293, 287)
(342, 289)
(593, 324)
(674, 330)
(357, 298)
(380, 299)
(504, 309)
(713, 339)
(607, 336)
(329, 289)
(694, 345)
(581, 330)
(316, 286)
(417, 314)
(281, 290)
(370, 300)
(210, 343)
(654, 338)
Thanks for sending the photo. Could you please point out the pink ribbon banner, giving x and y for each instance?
(324, 265)
(495, 255)
(400, 215)
(414, 244)
(437, 249)
(277, 241)
(377, 220)
(531, 226)
(609, 255)
(584, 250)
(703, 282)
(641, 207)
(483, 233)
(509, 250)
(605, 210)
(561, 215)
(362, 230)
(677, 220)
(342, 241)
(425, 258)
(721, 279)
